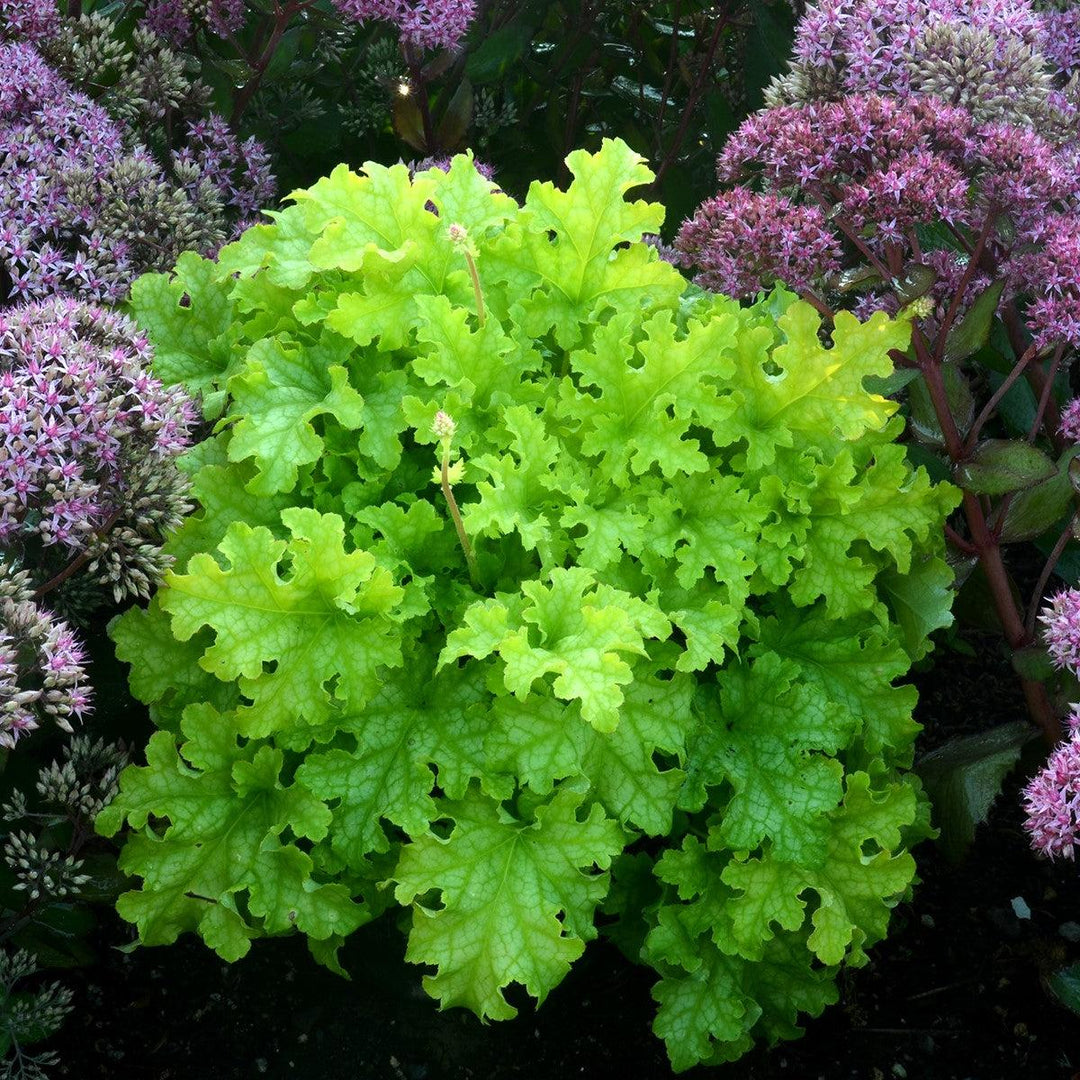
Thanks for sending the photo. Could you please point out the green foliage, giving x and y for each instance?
(659, 683)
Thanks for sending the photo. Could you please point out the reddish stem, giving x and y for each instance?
(76, 564)
(1044, 577)
(988, 551)
(282, 17)
(692, 99)
(965, 282)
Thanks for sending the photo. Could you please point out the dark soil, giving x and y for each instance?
(955, 993)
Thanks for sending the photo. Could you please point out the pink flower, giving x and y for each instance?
(1069, 427)
(745, 242)
(1052, 799)
(427, 24)
(1062, 629)
(88, 439)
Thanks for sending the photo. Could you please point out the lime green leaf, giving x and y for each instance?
(412, 724)
(818, 391)
(850, 667)
(485, 365)
(192, 321)
(282, 250)
(921, 601)
(884, 506)
(705, 523)
(704, 1015)
(464, 196)
(856, 889)
(562, 256)
(578, 635)
(542, 740)
(767, 739)
(629, 423)
(284, 386)
(226, 810)
(523, 489)
(517, 898)
(223, 496)
(165, 673)
(330, 620)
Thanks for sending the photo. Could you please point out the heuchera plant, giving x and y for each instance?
(538, 592)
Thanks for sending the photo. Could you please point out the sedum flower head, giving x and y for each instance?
(88, 444)
(1061, 622)
(177, 20)
(1052, 799)
(745, 242)
(1061, 39)
(29, 21)
(425, 24)
(82, 211)
(1069, 427)
(138, 78)
(887, 168)
(41, 662)
(237, 171)
(985, 55)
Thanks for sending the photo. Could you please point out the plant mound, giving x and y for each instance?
(534, 590)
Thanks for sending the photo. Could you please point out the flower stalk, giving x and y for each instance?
(444, 427)
(460, 236)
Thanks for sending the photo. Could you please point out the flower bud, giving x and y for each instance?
(443, 426)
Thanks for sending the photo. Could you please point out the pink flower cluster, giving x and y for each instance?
(1069, 428)
(902, 121)
(1054, 263)
(177, 20)
(875, 171)
(28, 21)
(83, 210)
(1061, 621)
(1061, 39)
(426, 24)
(1052, 798)
(41, 671)
(746, 242)
(81, 421)
(48, 242)
(239, 171)
(874, 45)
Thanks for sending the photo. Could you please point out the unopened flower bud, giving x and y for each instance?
(921, 307)
(443, 426)
(458, 233)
